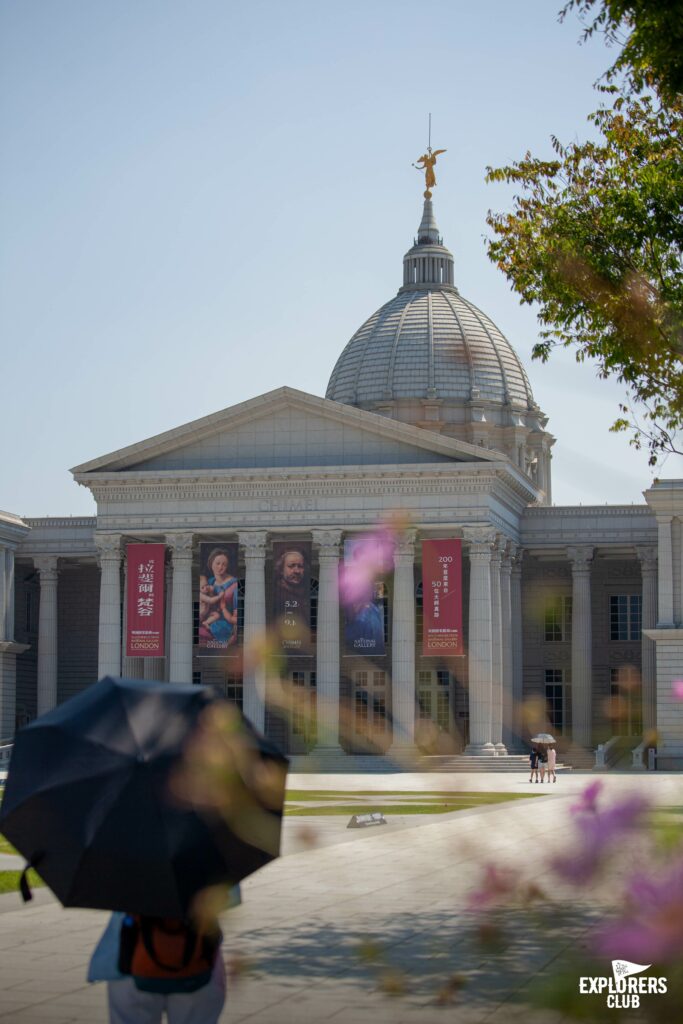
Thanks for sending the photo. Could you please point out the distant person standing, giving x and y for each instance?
(542, 762)
(533, 761)
(552, 761)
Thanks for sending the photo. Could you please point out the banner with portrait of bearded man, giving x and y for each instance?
(292, 596)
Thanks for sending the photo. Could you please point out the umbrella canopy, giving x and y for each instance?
(136, 796)
(543, 737)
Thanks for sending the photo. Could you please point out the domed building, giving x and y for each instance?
(431, 358)
(491, 613)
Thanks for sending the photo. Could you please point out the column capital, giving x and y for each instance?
(497, 551)
(647, 556)
(404, 545)
(180, 545)
(254, 543)
(108, 547)
(328, 542)
(47, 567)
(481, 539)
(580, 557)
(663, 519)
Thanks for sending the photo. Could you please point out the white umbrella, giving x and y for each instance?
(543, 737)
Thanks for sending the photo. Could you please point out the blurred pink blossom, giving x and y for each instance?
(597, 832)
(496, 885)
(652, 929)
(372, 557)
(588, 798)
(677, 689)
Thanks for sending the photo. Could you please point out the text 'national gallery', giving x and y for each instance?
(219, 547)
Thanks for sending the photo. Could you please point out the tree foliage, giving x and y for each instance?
(595, 239)
(650, 33)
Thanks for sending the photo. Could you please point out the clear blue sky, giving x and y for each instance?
(202, 201)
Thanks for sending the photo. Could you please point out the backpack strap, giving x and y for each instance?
(147, 926)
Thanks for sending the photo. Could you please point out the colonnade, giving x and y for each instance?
(494, 643)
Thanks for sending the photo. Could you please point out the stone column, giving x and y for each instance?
(403, 644)
(506, 643)
(155, 669)
(8, 647)
(517, 717)
(109, 647)
(666, 569)
(647, 556)
(496, 650)
(180, 668)
(582, 645)
(133, 668)
(327, 642)
(47, 633)
(254, 675)
(6, 593)
(480, 653)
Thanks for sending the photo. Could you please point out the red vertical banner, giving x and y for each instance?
(442, 598)
(145, 601)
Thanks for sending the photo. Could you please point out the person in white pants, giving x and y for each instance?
(128, 1005)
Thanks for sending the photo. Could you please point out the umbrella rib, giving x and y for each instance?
(86, 849)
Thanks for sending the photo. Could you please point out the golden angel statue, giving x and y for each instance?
(427, 161)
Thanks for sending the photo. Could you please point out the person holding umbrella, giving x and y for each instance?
(142, 798)
(533, 760)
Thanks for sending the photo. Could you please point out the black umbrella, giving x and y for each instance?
(136, 796)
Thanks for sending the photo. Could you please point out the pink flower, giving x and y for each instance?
(651, 930)
(372, 556)
(497, 884)
(597, 832)
(588, 798)
(677, 689)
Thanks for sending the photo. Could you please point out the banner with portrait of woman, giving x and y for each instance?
(291, 604)
(218, 600)
(364, 616)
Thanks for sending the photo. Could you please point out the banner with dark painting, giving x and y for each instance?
(218, 597)
(442, 598)
(291, 603)
(364, 612)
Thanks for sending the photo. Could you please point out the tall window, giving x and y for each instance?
(314, 607)
(626, 700)
(419, 614)
(556, 700)
(625, 616)
(557, 618)
(234, 690)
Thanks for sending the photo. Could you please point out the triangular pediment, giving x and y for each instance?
(285, 428)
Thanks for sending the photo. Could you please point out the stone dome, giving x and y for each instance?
(431, 358)
(429, 344)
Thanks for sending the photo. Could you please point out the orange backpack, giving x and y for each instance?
(167, 954)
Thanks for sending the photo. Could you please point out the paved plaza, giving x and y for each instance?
(348, 926)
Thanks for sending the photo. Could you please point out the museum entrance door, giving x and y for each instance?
(370, 729)
(435, 731)
(302, 712)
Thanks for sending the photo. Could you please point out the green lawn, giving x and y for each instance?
(6, 847)
(9, 880)
(423, 803)
(667, 823)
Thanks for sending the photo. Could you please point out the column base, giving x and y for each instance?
(480, 750)
(501, 750)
